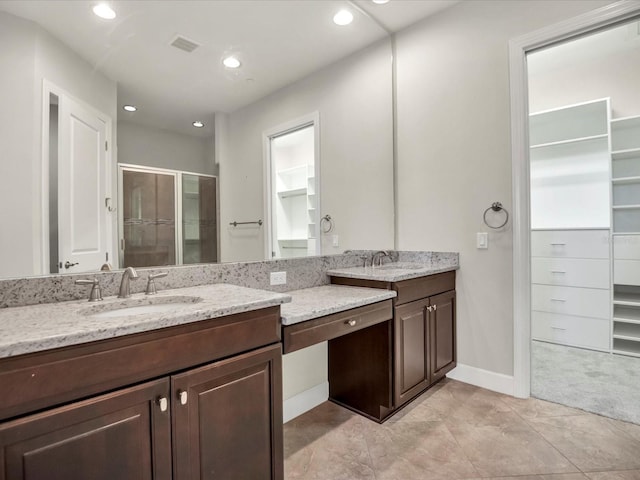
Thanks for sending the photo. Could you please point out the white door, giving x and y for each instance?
(83, 180)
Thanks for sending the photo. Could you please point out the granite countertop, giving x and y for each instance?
(42, 327)
(394, 272)
(315, 302)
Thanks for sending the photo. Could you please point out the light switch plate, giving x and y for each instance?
(278, 278)
(336, 241)
(482, 240)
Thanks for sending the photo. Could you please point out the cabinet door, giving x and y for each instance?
(123, 435)
(227, 418)
(442, 326)
(411, 359)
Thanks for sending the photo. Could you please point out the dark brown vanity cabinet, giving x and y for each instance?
(214, 409)
(424, 332)
(421, 344)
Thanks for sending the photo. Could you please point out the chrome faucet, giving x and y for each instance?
(128, 274)
(377, 257)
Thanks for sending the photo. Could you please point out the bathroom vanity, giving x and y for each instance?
(187, 383)
(184, 394)
(401, 358)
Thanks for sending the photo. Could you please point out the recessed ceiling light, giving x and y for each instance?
(104, 11)
(380, 2)
(231, 62)
(130, 108)
(343, 17)
(198, 124)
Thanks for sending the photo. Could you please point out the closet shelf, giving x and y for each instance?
(626, 207)
(570, 141)
(625, 154)
(633, 321)
(626, 337)
(628, 299)
(294, 192)
(625, 180)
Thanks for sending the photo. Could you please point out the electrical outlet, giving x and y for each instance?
(278, 278)
(336, 241)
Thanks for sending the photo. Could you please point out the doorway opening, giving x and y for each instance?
(293, 220)
(564, 154)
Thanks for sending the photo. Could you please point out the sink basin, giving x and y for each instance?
(140, 306)
(400, 266)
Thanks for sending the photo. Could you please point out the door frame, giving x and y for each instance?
(269, 175)
(589, 22)
(41, 257)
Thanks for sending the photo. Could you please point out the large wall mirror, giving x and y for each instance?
(85, 181)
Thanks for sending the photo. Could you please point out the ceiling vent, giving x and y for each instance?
(184, 44)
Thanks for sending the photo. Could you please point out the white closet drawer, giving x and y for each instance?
(626, 272)
(569, 330)
(573, 272)
(626, 247)
(586, 302)
(570, 243)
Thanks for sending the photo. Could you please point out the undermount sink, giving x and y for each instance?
(400, 266)
(141, 306)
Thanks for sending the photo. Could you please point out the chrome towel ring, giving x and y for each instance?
(496, 207)
(326, 219)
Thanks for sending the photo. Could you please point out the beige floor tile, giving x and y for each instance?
(591, 442)
(511, 448)
(327, 444)
(461, 403)
(621, 475)
(533, 407)
(417, 450)
(559, 476)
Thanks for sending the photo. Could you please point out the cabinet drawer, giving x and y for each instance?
(626, 272)
(586, 302)
(570, 330)
(626, 247)
(305, 334)
(423, 287)
(570, 243)
(575, 272)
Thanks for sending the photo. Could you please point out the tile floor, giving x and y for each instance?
(458, 431)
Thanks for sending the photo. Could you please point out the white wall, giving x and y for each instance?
(454, 155)
(575, 79)
(153, 147)
(28, 55)
(353, 98)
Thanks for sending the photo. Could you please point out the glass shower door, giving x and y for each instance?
(199, 236)
(149, 218)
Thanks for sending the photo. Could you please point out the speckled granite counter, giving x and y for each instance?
(42, 327)
(316, 302)
(394, 272)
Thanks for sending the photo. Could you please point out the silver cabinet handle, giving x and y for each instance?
(351, 323)
(435, 307)
(182, 395)
(430, 308)
(558, 328)
(558, 244)
(558, 271)
(163, 403)
(558, 300)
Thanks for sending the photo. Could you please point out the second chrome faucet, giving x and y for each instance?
(128, 275)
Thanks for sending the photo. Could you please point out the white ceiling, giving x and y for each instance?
(278, 42)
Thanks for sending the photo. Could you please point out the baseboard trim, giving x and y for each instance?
(496, 382)
(305, 401)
